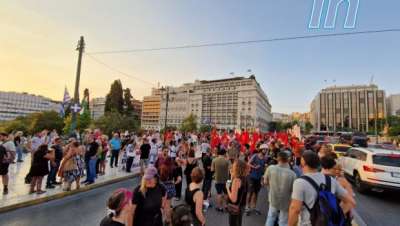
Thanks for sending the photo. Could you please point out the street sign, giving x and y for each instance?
(76, 108)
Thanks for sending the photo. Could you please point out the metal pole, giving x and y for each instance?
(80, 48)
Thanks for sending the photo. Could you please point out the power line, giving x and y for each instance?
(117, 70)
(246, 42)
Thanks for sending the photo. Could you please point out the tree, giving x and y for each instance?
(205, 128)
(308, 127)
(115, 121)
(189, 123)
(83, 122)
(128, 106)
(46, 120)
(114, 99)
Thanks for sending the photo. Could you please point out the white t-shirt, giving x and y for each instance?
(9, 146)
(172, 151)
(305, 192)
(205, 147)
(130, 150)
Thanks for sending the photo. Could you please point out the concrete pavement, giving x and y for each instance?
(18, 191)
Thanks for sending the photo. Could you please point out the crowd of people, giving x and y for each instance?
(239, 165)
(236, 165)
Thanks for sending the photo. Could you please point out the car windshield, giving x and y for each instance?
(341, 149)
(387, 160)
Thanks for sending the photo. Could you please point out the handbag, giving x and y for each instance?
(234, 209)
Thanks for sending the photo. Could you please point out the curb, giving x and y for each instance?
(357, 219)
(65, 194)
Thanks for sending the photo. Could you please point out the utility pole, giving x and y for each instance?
(76, 107)
(166, 108)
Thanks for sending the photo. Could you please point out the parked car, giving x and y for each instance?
(372, 168)
(339, 149)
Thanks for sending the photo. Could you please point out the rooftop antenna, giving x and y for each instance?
(372, 80)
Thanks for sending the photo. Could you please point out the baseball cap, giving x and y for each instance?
(150, 173)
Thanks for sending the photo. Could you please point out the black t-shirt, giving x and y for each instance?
(108, 221)
(58, 152)
(178, 172)
(207, 167)
(3, 153)
(145, 150)
(92, 150)
(148, 209)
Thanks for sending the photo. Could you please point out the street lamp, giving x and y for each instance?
(166, 104)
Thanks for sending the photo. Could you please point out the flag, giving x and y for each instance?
(65, 102)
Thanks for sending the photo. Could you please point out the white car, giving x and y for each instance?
(372, 168)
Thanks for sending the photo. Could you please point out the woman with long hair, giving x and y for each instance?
(237, 192)
(194, 197)
(120, 206)
(148, 200)
(69, 170)
(190, 163)
(40, 168)
(167, 179)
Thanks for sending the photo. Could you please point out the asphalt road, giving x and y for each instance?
(87, 209)
(379, 208)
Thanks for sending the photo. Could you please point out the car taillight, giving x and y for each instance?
(372, 169)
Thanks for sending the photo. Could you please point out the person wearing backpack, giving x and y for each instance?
(314, 190)
(4, 167)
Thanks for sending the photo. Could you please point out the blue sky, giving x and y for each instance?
(43, 35)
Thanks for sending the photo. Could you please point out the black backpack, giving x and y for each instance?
(326, 210)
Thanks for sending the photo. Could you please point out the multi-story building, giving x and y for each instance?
(137, 109)
(151, 110)
(227, 103)
(280, 117)
(96, 107)
(353, 107)
(13, 104)
(393, 104)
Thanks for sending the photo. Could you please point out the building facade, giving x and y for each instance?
(393, 105)
(348, 107)
(227, 104)
(13, 104)
(151, 111)
(280, 117)
(96, 107)
(137, 109)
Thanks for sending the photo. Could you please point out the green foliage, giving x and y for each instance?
(34, 122)
(115, 121)
(46, 120)
(189, 123)
(205, 128)
(308, 127)
(114, 99)
(83, 122)
(128, 106)
(275, 126)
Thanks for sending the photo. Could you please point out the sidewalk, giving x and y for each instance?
(18, 191)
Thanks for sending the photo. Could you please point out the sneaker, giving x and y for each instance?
(40, 192)
(20, 161)
(247, 211)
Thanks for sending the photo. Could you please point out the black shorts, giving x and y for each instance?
(4, 169)
(221, 189)
(254, 185)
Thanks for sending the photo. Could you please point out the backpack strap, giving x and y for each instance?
(328, 183)
(313, 184)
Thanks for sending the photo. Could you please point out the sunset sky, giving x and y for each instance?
(38, 41)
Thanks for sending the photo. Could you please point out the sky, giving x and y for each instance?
(38, 41)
